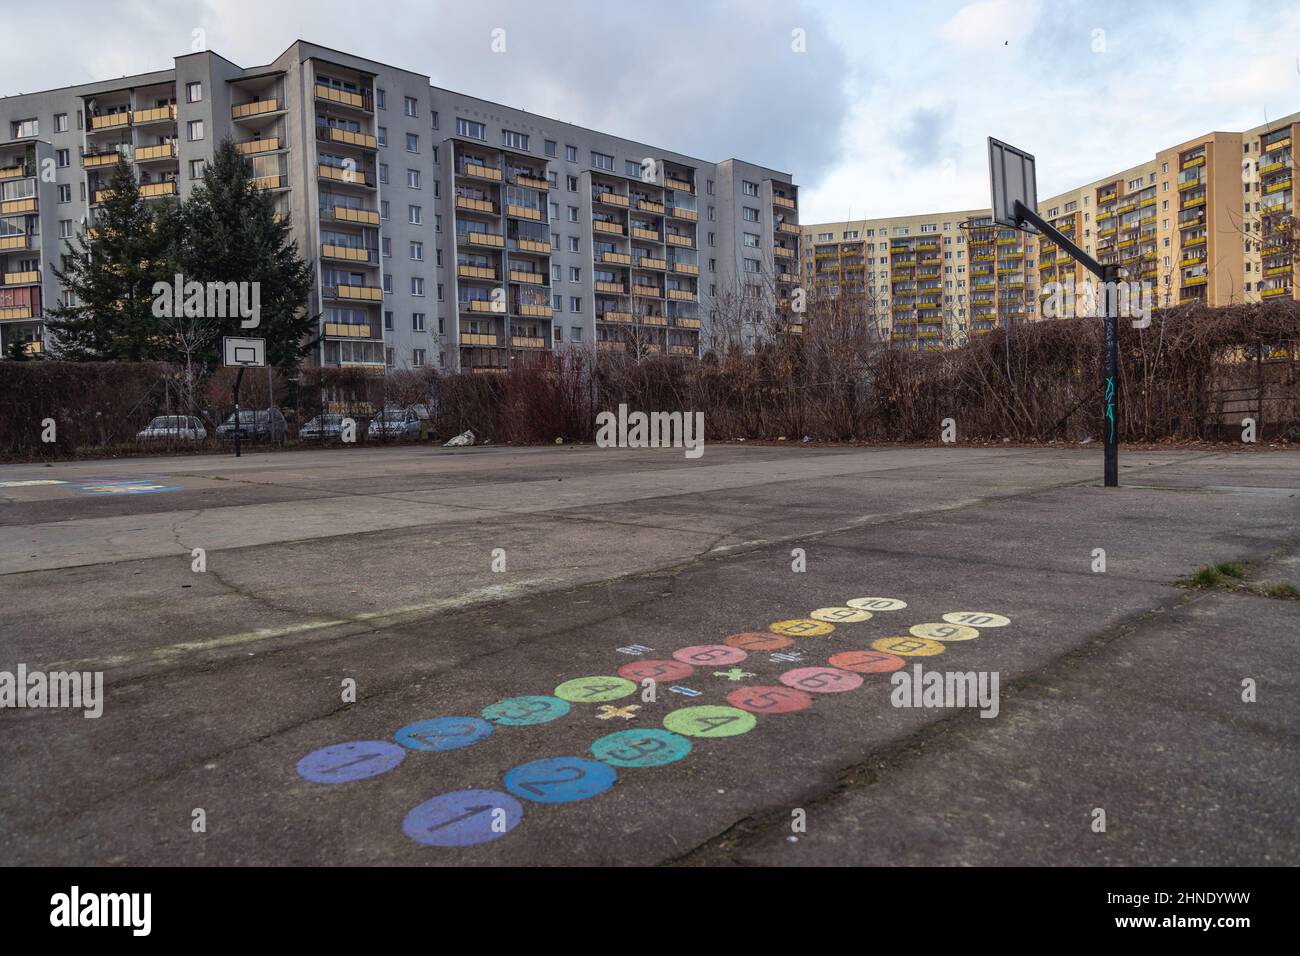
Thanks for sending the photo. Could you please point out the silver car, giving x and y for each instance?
(323, 428)
(394, 424)
(173, 428)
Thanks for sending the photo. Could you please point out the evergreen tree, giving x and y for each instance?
(231, 234)
(110, 279)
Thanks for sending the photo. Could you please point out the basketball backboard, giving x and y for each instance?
(249, 353)
(1011, 173)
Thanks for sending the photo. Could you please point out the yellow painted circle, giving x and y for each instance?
(977, 619)
(801, 627)
(874, 604)
(908, 646)
(840, 615)
(944, 632)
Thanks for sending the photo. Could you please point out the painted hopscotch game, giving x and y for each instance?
(731, 670)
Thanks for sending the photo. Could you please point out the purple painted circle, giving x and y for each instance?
(355, 760)
(463, 818)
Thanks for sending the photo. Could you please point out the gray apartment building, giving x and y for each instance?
(445, 230)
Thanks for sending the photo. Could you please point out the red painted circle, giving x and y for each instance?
(758, 641)
(821, 680)
(769, 700)
(867, 662)
(656, 670)
(709, 655)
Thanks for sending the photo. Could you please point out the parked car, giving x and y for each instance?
(394, 424)
(266, 424)
(173, 428)
(323, 428)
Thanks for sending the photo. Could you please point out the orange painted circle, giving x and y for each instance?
(867, 662)
(758, 641)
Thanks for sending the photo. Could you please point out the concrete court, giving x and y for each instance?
(1118, 690)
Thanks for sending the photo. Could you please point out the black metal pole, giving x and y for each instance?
(239, 377)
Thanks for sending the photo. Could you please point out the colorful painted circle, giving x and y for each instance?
(758, 641)
(463, 818)
(944, 632)
(909, 646)
(977, 619)
(641, 748)
(769, 700)
(443, 733)
(356, 760)
(710, 655)
(560, 779)
(801, 627)
(595, 690)
(656, 670)
(710, 720)
(525, 711)
(821, 680)
(877, 604)
(867, 662)
(840, 615)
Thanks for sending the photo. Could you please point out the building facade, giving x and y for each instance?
(1204, 222)
(445, 230)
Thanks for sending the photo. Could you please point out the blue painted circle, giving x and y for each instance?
(523, 711)
(463, 818)
(641, 748)
(443, 733)
(357, 760)
(560, 779)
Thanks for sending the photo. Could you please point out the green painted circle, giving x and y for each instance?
(710, 720)
(595, 690)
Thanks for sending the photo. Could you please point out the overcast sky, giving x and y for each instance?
(884, 111)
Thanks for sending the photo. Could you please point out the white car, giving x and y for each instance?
(173, 428)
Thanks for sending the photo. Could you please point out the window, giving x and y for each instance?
(383, 173)
(412, 143)
(557, 302)
(470, 130)
(417, 321)
(512, 140)
(62, 157)
(550, 148)
(575, 333)
(574, 244)
(575, 303)
(601, 161)
(389, 358)
(751, 214)
(559, 333)
(417, 358)
(434, 151)
(749, 189)
(195, 130)
(197, 168)
(381, 99)
(413, 178)
(575, 274)
(434, 114)
(417, 285)
(382, 137)
(408, 105)
(573, 214)
(555, 272)
(388, 284)
(20, 129)
(194, 92)
(388, 324)
(751, 265)
(571, 183)
(417, 251)
(632, 168)
(570, 152)
(413, 215)
(383, 209)
(65, 228)
(751, 240)
(65, 193)
(553, 209)
(60, 122)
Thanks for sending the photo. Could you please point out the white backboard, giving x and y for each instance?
(1011, 173)
(250, 353)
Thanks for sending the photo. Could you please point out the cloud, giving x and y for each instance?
(989, 25)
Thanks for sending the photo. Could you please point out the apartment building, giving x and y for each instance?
(445, 229)
(1203, 222)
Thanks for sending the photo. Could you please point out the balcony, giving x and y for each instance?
(683, 322)
(30, 277)
(477, 338)
(612, 288)
(154, 190)
(158, 114)
(606, 198)
(269, 182)
(479, 171)
(253, 146)
(20, 171)
(616, 258)
(648, 291)
(93, 160)
(482, 306)
(345, 175)
(360, 217)
(782, 202)
(532, 278)
(14, 207)
(477, 272)
(649, 205)
(651, 318)
(469, 204)
(680, 185)
(533, 310)
(682, 349)
(346, 137)
(650, 262)
(610, 228)
(681, 295)
(12, 313)
(147, 154)
(783, 277)
(489, 239)
(348, 253)
(676, 240)
(523, 212)
(789, 229)
(533, 245)
(349, 330)
(109, 121)
(527, 342)
(686, 268)
(354, 293)
(255, 108)
(681, 212)
(611, 315)
(648, 234)
(356, 101)
(529, 181)
(609, 345)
